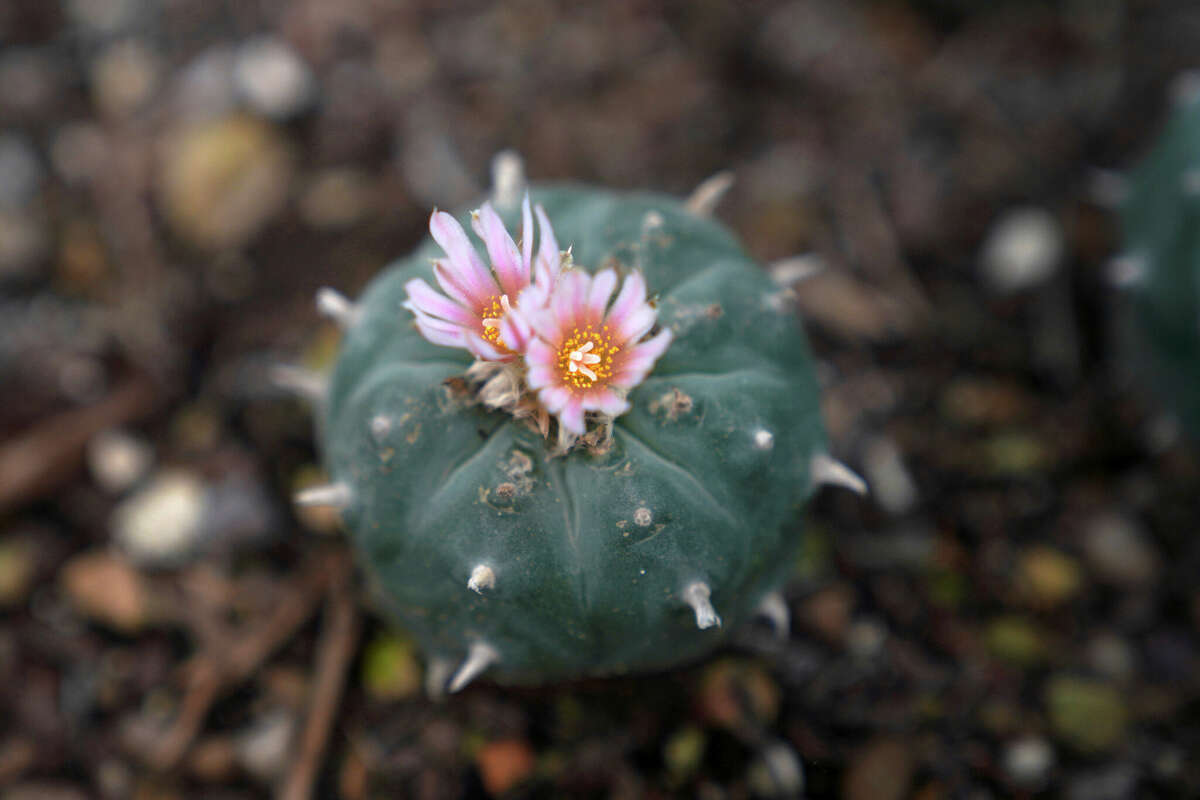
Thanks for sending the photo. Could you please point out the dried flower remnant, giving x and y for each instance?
(585, 355)
(475, 310)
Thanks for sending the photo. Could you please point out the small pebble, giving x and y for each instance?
(1111, 656)
(221, 182)
(1015, 640)
(272, 79)
(390, 669)
(162, 523)
(776, 772)
(866, 638)
(264, 748)
(118, 459)
(1048, 577)
(124, 77)
(828, 612)
(735, 693)
(1118, 551)
(1028, 762)
(504, 763)
(106, 588)
(1087, 714)
(1022, 250)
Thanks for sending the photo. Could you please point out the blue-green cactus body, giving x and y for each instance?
(1161, 222)
(588, 555)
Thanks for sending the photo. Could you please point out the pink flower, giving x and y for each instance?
(474, 313)
(585, 355)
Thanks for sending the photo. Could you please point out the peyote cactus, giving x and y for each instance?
(1161, 221)
(562, 486)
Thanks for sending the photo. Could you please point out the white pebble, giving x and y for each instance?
(118, 459)
(162, 522)
(1023, 249)
(1028, 761)
(272, 79)
(263, 749)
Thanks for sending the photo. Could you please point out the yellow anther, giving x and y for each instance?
(586, 357)
(490, 316)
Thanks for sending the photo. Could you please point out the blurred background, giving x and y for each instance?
(1012, 613)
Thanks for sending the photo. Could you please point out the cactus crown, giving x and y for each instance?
(682, 409)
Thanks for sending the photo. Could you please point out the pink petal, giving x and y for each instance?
(544, 324)
(631, 297)
(555, 398)
(515, 332)
(597, 298)
(636, 325)
(448, 279)
(506, 259)
(422, 297)
(567, 301)
(635, 363)
(532, 298)
(481, 348)
(571, 417)
(531, 305)
(442, 334)
(526, 236)
(540, 358)
(468, 269)
(607, 401)
(549, 263)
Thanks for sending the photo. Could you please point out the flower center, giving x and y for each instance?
(491, 315)
(586, 357)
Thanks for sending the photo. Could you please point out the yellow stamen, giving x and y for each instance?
(586, 357)
(490, 316)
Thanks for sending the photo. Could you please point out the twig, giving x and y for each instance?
(337, 645)
(36, 462)
(226, 665)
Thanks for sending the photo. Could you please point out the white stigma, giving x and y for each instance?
(577, 358)
(494, 322)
